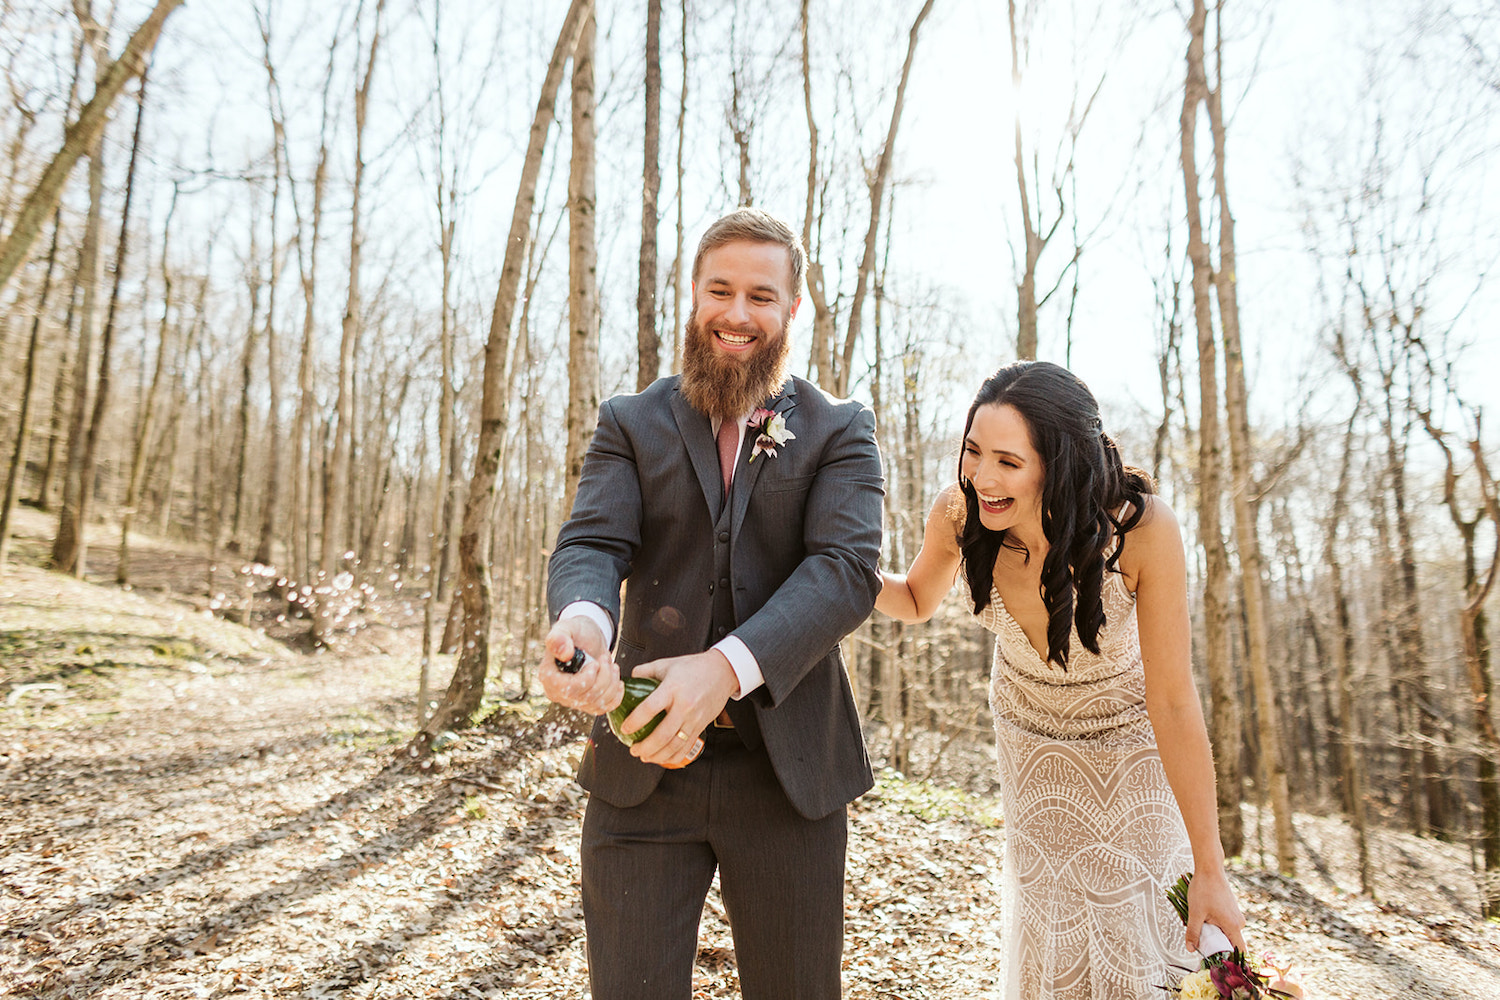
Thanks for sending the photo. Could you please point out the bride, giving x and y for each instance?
(1107, 780)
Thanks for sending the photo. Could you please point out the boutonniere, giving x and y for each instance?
(770, 430)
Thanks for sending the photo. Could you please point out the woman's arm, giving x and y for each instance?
(1153, 554)
(915, 596)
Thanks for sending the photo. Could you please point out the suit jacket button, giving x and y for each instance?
(723, 631)
(723, 536)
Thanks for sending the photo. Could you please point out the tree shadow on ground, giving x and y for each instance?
(1336, 925)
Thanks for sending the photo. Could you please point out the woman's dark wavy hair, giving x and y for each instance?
(1084, 482)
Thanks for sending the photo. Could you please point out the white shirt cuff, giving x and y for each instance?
(743, 662)
(595, 614)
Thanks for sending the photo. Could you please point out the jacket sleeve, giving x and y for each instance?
(833, 588)
(598, 542)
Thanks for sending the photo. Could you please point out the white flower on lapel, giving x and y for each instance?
(770, 430)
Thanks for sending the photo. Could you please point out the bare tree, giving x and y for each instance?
(877, 180)
(648, 343)
(1349, 729)
(73, 561)
(1247, 535)
(145, 423)
(824, 320)
(17, 465)
(583, 291)
(337, 493)
(475, 589)
(1223, 684)
(80, 137)
(445, 200)
(306, 236)
(1479, 582)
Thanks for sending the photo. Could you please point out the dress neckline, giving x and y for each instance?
(1008, 621)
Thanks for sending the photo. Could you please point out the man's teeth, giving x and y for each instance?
(737, 339)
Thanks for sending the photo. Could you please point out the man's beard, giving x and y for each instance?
(723, 387)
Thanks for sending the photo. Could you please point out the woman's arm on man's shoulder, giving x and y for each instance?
(913, 597)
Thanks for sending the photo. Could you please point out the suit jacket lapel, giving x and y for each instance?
(748, 472)
(697, 434)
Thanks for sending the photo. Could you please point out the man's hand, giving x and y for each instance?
(692, 690)
(597, 687)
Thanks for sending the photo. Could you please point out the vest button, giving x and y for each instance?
(723, 536)
(724, 582)
(723, 631)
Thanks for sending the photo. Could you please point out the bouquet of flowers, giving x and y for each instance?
(1225, 973)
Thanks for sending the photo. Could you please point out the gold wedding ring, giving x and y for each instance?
(681, 735)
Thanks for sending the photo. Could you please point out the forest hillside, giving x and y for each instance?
(192, 808)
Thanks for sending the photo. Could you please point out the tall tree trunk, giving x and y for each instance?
(1351, 760)
(302, 471)
(466, 689)
(145, 426)
(877, 185)
(1223, 687)
(1474, 630)
(80, 137)
(648, 344)
(1026, 334)
(74, 559)
(1410, 647)
(62, 393)
(253, 284)
(583, 290)
(17, 468)
(446, 203)
(335, 522)
(68, 546)
(306, 236)
(270, 502)
(824, 322)
(1247, 535)
(680, 263)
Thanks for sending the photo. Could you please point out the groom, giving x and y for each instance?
(741, 509)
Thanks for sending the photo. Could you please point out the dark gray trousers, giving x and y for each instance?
(647, 871)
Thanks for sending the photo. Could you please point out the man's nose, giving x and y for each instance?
(738, 311)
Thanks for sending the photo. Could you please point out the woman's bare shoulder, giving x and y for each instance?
(1155, 537)
(945, 522)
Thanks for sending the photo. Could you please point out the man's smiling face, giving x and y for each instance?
(736, 347)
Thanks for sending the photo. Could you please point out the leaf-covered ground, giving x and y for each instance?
(188, 809)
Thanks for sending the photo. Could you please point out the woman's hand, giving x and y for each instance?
(1211, 900)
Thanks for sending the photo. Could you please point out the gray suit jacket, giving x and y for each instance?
(804, 534)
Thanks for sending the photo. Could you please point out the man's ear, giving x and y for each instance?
(795, 303)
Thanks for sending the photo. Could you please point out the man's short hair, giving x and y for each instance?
(752, 225)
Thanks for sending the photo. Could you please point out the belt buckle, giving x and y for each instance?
(723, 721)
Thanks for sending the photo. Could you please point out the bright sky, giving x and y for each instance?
(1307, 66)
(1297, 85)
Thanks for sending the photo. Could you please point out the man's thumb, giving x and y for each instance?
(650, 669)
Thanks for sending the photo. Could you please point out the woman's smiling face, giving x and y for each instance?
(1004, 467)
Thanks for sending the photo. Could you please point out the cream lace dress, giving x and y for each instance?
(1093, 835)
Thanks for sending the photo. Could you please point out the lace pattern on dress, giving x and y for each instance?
(1093, 833)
